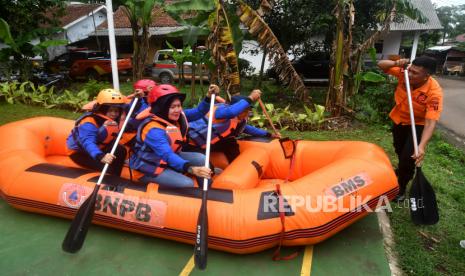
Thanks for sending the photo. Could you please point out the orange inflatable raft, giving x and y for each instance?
(331, 185)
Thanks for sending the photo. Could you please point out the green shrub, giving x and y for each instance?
(284, 119)
(93, 87)
(30, 94)
(374, 101)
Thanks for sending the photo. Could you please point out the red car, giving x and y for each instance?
(87, 64)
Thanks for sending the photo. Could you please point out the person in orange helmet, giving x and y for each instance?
(94, 133)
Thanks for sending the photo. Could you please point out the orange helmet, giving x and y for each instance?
(163, 90)
(144, 84)
(110, 96)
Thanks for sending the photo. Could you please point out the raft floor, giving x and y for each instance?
(30, 244)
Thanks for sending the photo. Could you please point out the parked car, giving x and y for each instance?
(166, 70)
(454, 65)
(314, 67)
(86, 64)
(311, 68)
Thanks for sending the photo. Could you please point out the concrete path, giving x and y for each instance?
(31, 245)
(453, 115)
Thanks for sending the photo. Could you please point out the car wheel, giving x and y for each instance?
(165, 78)
(92, 75)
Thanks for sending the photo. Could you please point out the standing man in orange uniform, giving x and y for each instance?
(427, 101)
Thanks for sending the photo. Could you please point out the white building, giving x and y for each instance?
(79, 22)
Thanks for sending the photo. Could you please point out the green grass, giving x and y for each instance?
(15, 112)
(443, 166)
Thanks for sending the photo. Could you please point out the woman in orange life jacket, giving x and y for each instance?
(157, 153)
(229, 121)
(92, 138)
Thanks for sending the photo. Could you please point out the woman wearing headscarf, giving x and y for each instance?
(157, 153)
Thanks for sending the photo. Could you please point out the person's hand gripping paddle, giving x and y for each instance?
(201, 237)
(77, 231)
(422, 200)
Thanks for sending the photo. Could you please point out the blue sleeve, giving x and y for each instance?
(134, 123)
(255, 131)
(231, 111)
(88, 137)
(157, 140)
(198, 112)
(142, 106)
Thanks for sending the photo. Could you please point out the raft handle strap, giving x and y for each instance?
(282, 216)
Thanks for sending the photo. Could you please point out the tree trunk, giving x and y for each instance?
(335, 99)
(143, 52)
(136, 50)
(262, 66)
(193, 96)
(181, 78)
(201, 77)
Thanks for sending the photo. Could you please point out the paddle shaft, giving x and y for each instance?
(209, 138)
(267, 115)
(201, 239)
(410, 106)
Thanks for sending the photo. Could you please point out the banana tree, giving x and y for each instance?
(265, 37)
(225, 40)
(21, 48)
(181, 57)
(194, 27)
(139, 13)
(347, 57)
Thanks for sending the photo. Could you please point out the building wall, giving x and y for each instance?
(77, 32)
(84, 28)
(391, 44)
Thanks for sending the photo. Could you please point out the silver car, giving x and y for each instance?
(166, 70)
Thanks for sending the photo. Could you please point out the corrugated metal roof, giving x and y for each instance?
(427, 8)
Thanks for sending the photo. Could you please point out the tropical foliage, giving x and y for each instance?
(452, 19)
(30, 94)
(26, 15)
(285, 119)
(283, 67)
(140, 16)
(22, 49)
(347, 56)
(225, 38)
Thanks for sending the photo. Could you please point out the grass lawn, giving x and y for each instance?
(432, 250)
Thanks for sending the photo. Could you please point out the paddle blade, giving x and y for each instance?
(423, 205)
(201, 239)
(77, 231)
